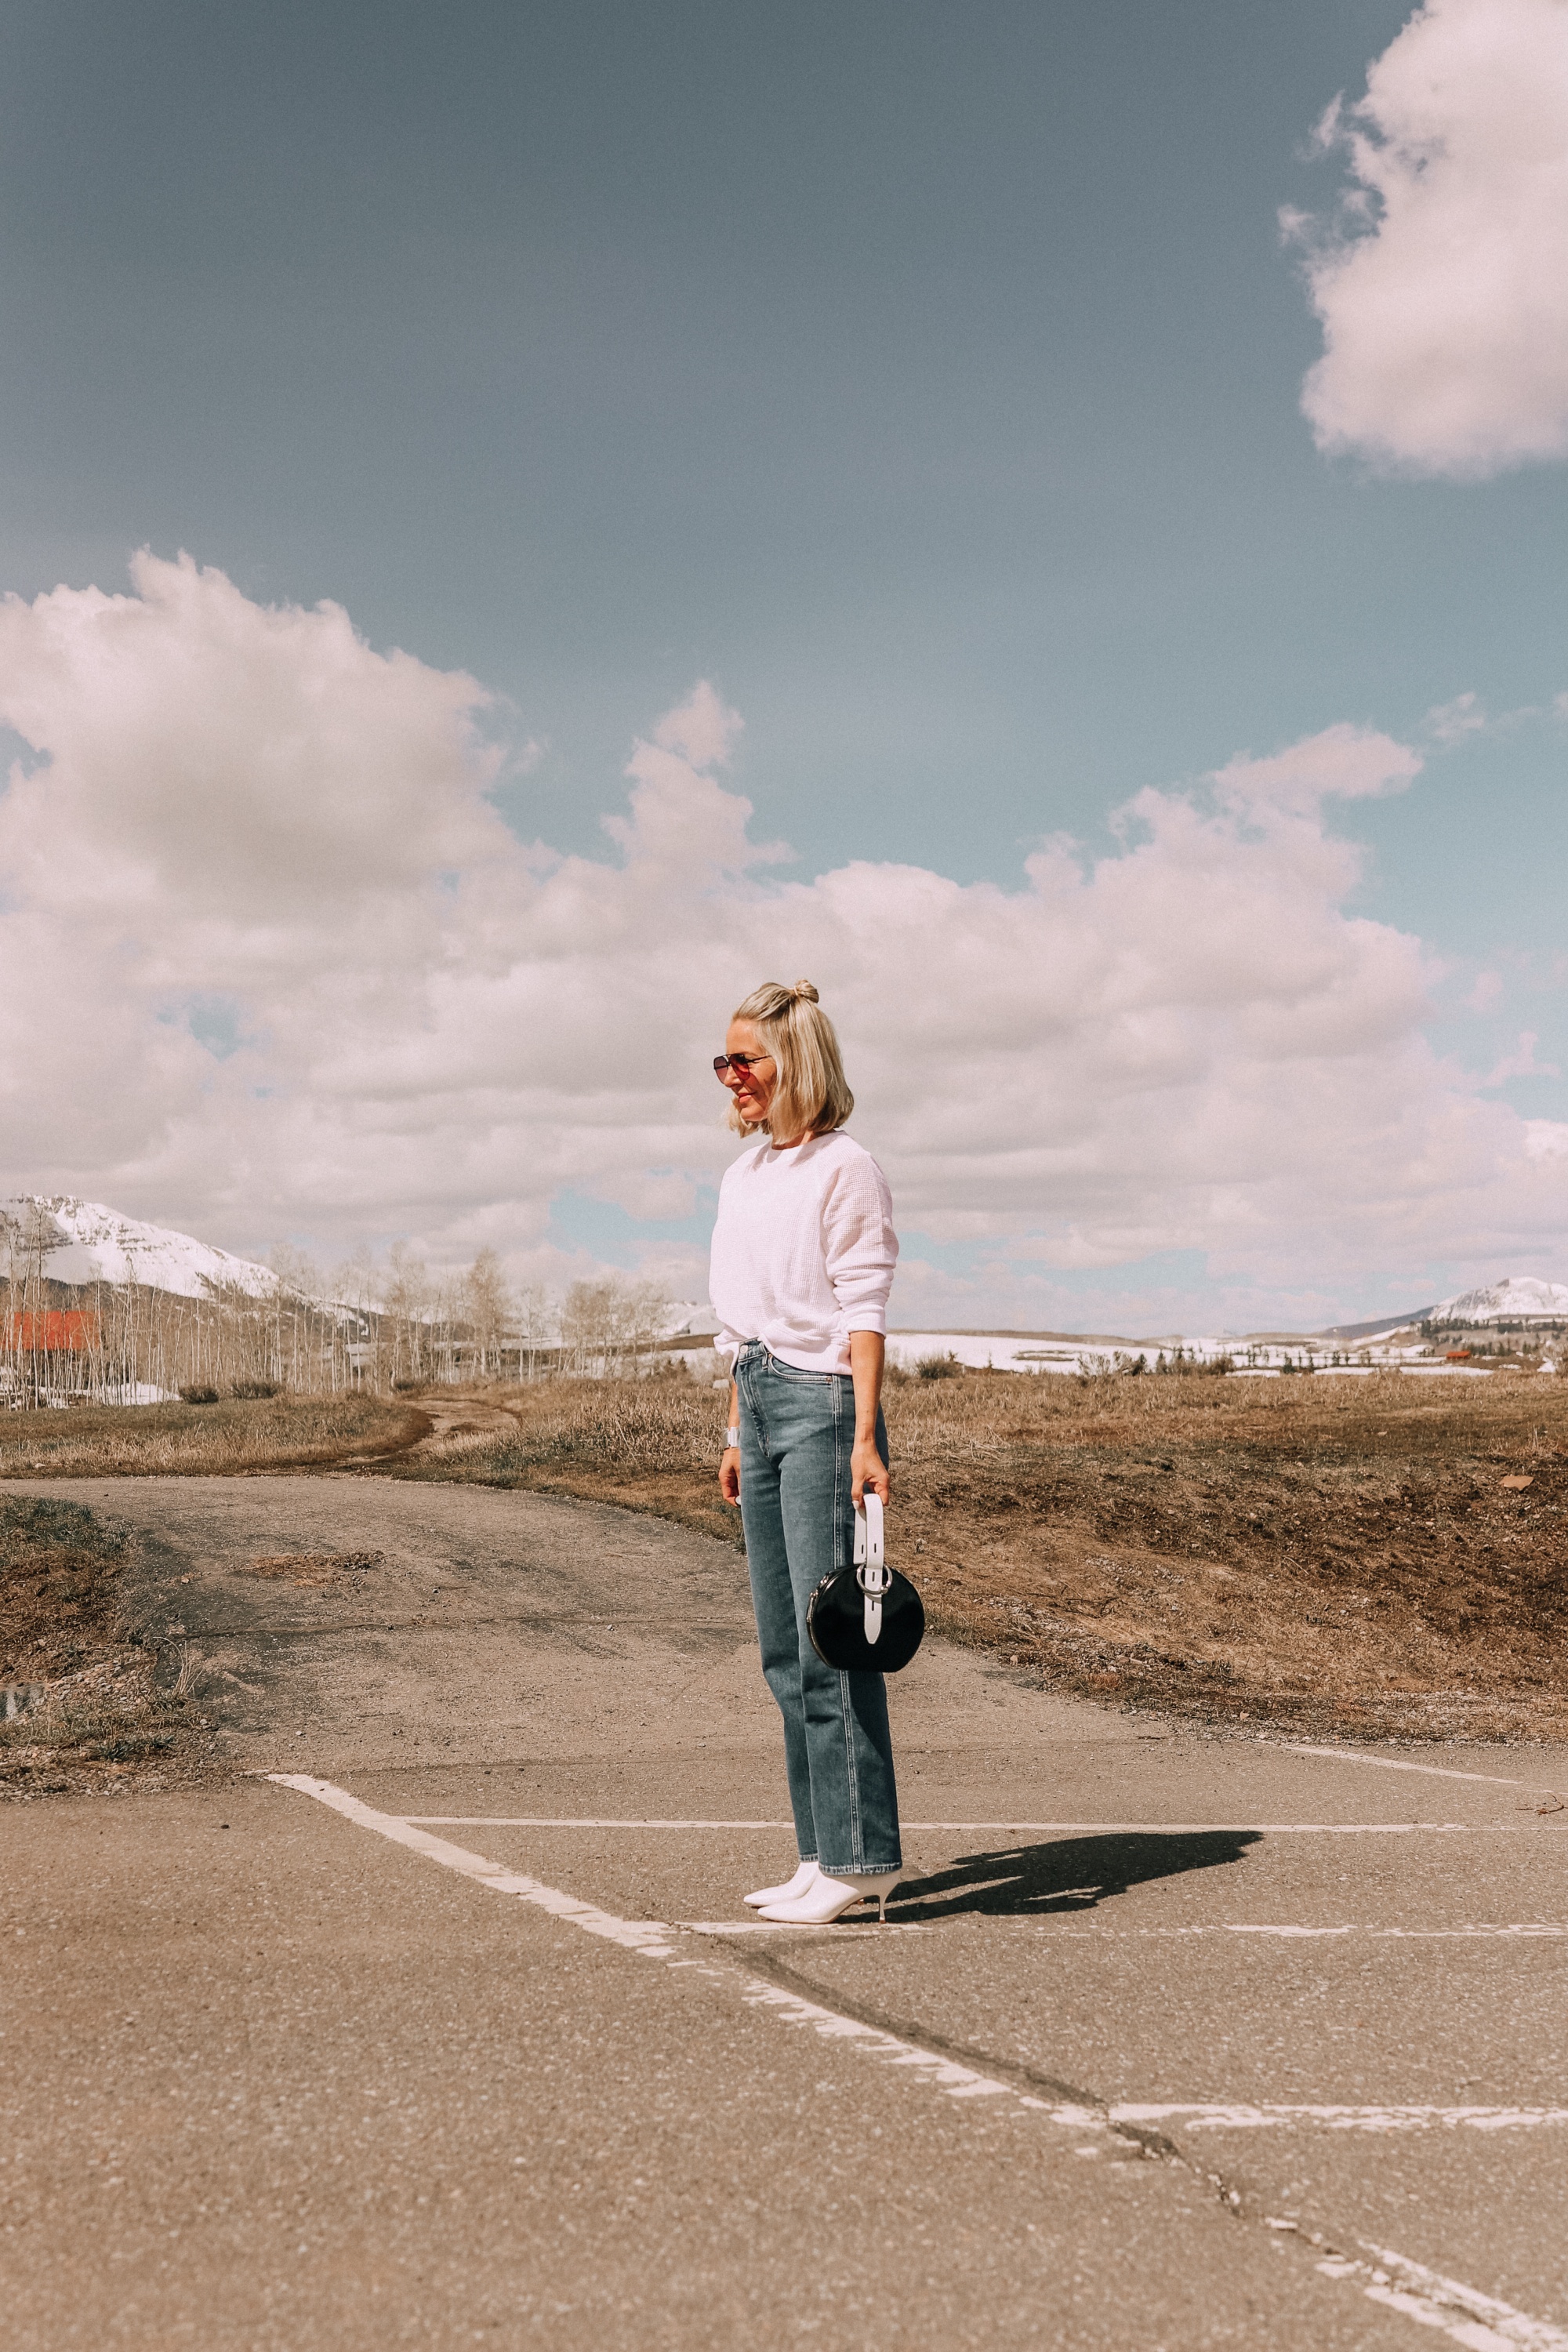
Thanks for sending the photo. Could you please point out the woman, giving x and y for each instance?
(803, 1252)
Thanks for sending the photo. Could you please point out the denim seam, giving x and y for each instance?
(846, 1713)
(754, 1406)
(793, 1378)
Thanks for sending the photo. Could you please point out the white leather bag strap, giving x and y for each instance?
(872, 1573)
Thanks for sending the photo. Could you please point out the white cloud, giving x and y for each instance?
(1451, 722)
(1522, 1063)
(1188, 1044)
(1443, 286)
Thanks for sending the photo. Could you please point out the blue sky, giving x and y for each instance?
(927, 378)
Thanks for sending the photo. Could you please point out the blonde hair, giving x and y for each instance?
(812, 1096)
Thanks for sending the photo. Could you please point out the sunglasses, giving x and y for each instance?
(740, 1063)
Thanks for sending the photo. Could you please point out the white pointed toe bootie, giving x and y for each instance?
(829, 1899)
(806, 1875)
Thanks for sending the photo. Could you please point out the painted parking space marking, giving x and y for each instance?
(652, 1939)
(1057, 1928)
(1480, 2321)
(1241, 2115)
(574, 1822)
(1401, 1764)
(842, 1927)
(649, 1937)
(1470, 2317)
(1514, 1930)
(965, 1829)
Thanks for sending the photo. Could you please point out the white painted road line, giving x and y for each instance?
(1056, 1926)
(1054, 1829)
(1398, 1764)
(573, 1821)
(1215, 2116)
(842, 1927)
(1475, 2320)
(1479, 2321)
(1517, 1927)
(1521, 1930)
(649, 1937)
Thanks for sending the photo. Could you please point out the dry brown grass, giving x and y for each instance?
(1326, 1554)
(1330, 1555)
(97, 1714)
(188, 1441)
(648, 1444)
(316, 1571)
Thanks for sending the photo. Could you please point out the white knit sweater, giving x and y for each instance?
(804, 1252)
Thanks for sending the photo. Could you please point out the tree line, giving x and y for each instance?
(400, 1325)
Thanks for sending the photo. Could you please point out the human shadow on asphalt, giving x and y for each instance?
(1074, 1874)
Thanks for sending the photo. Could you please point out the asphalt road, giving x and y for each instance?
(457, 2032)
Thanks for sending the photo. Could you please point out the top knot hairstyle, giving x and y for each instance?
(812, 1096)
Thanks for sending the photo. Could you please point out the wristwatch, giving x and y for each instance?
(732, 1437)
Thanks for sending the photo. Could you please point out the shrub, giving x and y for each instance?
(195, 1395)
(253, 1392)
(937, 1368)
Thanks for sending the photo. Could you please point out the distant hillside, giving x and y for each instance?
(1374, 1330)
(83, 1241)
(1518, 1298)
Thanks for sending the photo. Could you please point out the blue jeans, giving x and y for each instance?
(797, 1432)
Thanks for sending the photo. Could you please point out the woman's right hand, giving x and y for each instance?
(730, 1476)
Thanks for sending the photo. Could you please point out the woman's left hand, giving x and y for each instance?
(868, 1472)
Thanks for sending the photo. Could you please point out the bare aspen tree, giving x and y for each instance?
(406, 1305)
(487, 1311)
(538, 1331)
(11, 1384)
(608, 1327)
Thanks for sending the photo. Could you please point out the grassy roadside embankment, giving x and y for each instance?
(102, 1700)
(193, 1441)
(1385, 1556)
(1326, 1555)
(98, 1703)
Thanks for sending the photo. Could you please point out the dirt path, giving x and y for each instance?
(456, 2031)
(463, 1426)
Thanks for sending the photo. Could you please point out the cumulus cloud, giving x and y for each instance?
(1442, 284)
(272, 964)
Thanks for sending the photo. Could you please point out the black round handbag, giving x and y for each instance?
(867, 1619)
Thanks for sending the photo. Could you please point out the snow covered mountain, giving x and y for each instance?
(686, 1319)
(84, 1242)
(1518, 1298)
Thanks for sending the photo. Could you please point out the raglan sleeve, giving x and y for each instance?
(859, 1243)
